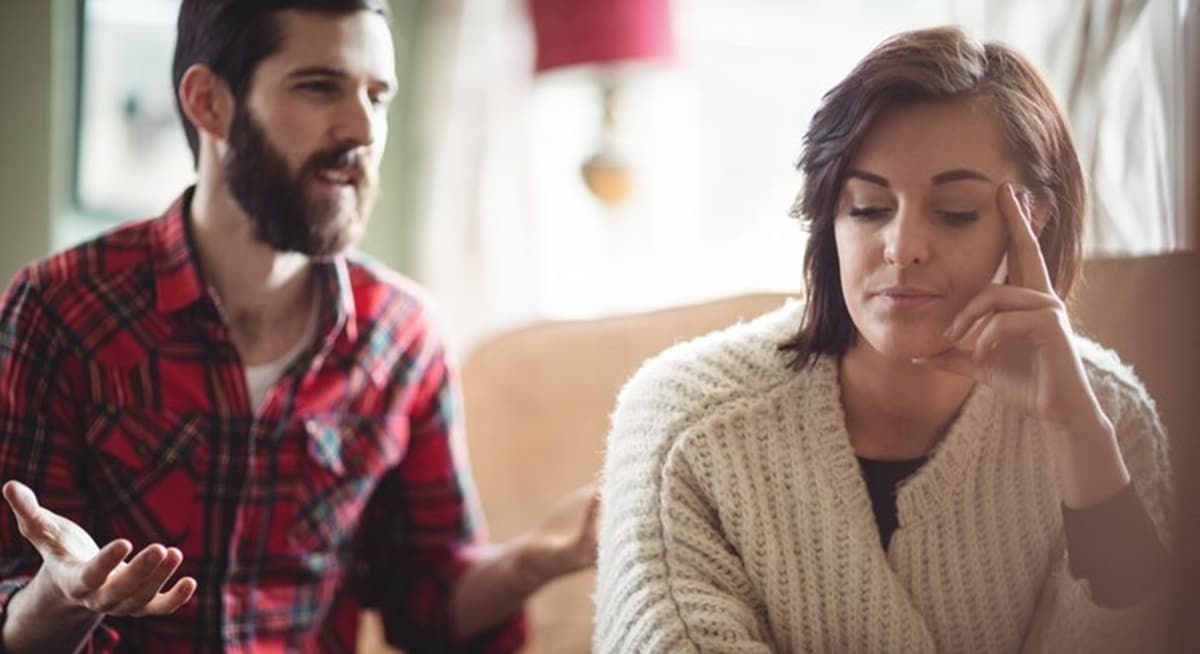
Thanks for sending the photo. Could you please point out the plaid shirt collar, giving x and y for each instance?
(179, 282)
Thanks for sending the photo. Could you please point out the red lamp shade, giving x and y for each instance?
(570, 32)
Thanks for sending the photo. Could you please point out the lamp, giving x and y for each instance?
(607, 35)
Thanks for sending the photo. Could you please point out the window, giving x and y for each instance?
(132, 156)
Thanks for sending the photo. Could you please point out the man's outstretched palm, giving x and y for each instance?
(94, 578)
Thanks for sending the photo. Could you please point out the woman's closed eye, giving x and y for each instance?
(959, 217)
(873, 212)
(869, 212)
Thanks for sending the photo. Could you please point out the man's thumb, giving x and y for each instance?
(25, 506)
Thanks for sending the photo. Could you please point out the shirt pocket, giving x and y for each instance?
(146, 465)
(342, 460)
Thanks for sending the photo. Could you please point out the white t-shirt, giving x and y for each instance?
(260, 378)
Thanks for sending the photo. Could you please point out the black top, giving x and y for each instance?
(1113, 545)
(883, 479)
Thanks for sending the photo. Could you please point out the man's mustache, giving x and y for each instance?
(349, 158)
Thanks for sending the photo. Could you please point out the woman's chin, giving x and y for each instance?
(909, 348)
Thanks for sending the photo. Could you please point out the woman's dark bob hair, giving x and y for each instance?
(940, 64)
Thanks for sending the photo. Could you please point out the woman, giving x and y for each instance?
(923, 456)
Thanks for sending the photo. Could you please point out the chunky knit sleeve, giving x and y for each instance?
(1068, 618)
(668, 580)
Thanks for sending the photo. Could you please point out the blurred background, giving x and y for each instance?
(556, 160)
(578, 158)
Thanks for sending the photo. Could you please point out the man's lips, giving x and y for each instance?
(340, 176)
(343, 167)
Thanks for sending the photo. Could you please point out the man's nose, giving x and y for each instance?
(358, 122)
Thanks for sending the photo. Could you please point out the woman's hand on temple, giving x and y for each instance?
(1016, 337)
(1018, 342)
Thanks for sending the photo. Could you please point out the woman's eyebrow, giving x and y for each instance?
(959, 174)
(868, 177)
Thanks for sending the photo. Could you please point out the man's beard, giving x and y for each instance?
(285, 218)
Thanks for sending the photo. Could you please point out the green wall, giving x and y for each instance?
(389, 237)
(35, 64)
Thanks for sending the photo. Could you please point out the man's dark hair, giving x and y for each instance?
(231, 37)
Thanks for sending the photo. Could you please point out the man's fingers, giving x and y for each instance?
(591, 513)
(150, 585)
(593, 509)
(96, 571)
(171, 600)
(589, 536)
(135, 588)
(128, 580)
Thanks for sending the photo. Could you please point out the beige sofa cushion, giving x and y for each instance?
(537, 405)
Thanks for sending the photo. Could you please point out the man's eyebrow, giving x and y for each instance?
(334, 72)
(317, 71)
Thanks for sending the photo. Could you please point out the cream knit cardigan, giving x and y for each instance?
(736, 520)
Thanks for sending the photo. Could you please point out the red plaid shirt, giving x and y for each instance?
(123, 404)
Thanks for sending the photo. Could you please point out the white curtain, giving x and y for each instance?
(1121, 71)
(476, 232)
(1191, 128)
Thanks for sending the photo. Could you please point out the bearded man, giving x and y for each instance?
(268, 421)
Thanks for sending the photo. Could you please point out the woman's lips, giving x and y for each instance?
(901, 297)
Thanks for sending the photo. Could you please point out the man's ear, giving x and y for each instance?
(206, 101)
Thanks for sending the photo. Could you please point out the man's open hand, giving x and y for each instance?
(94, 578)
